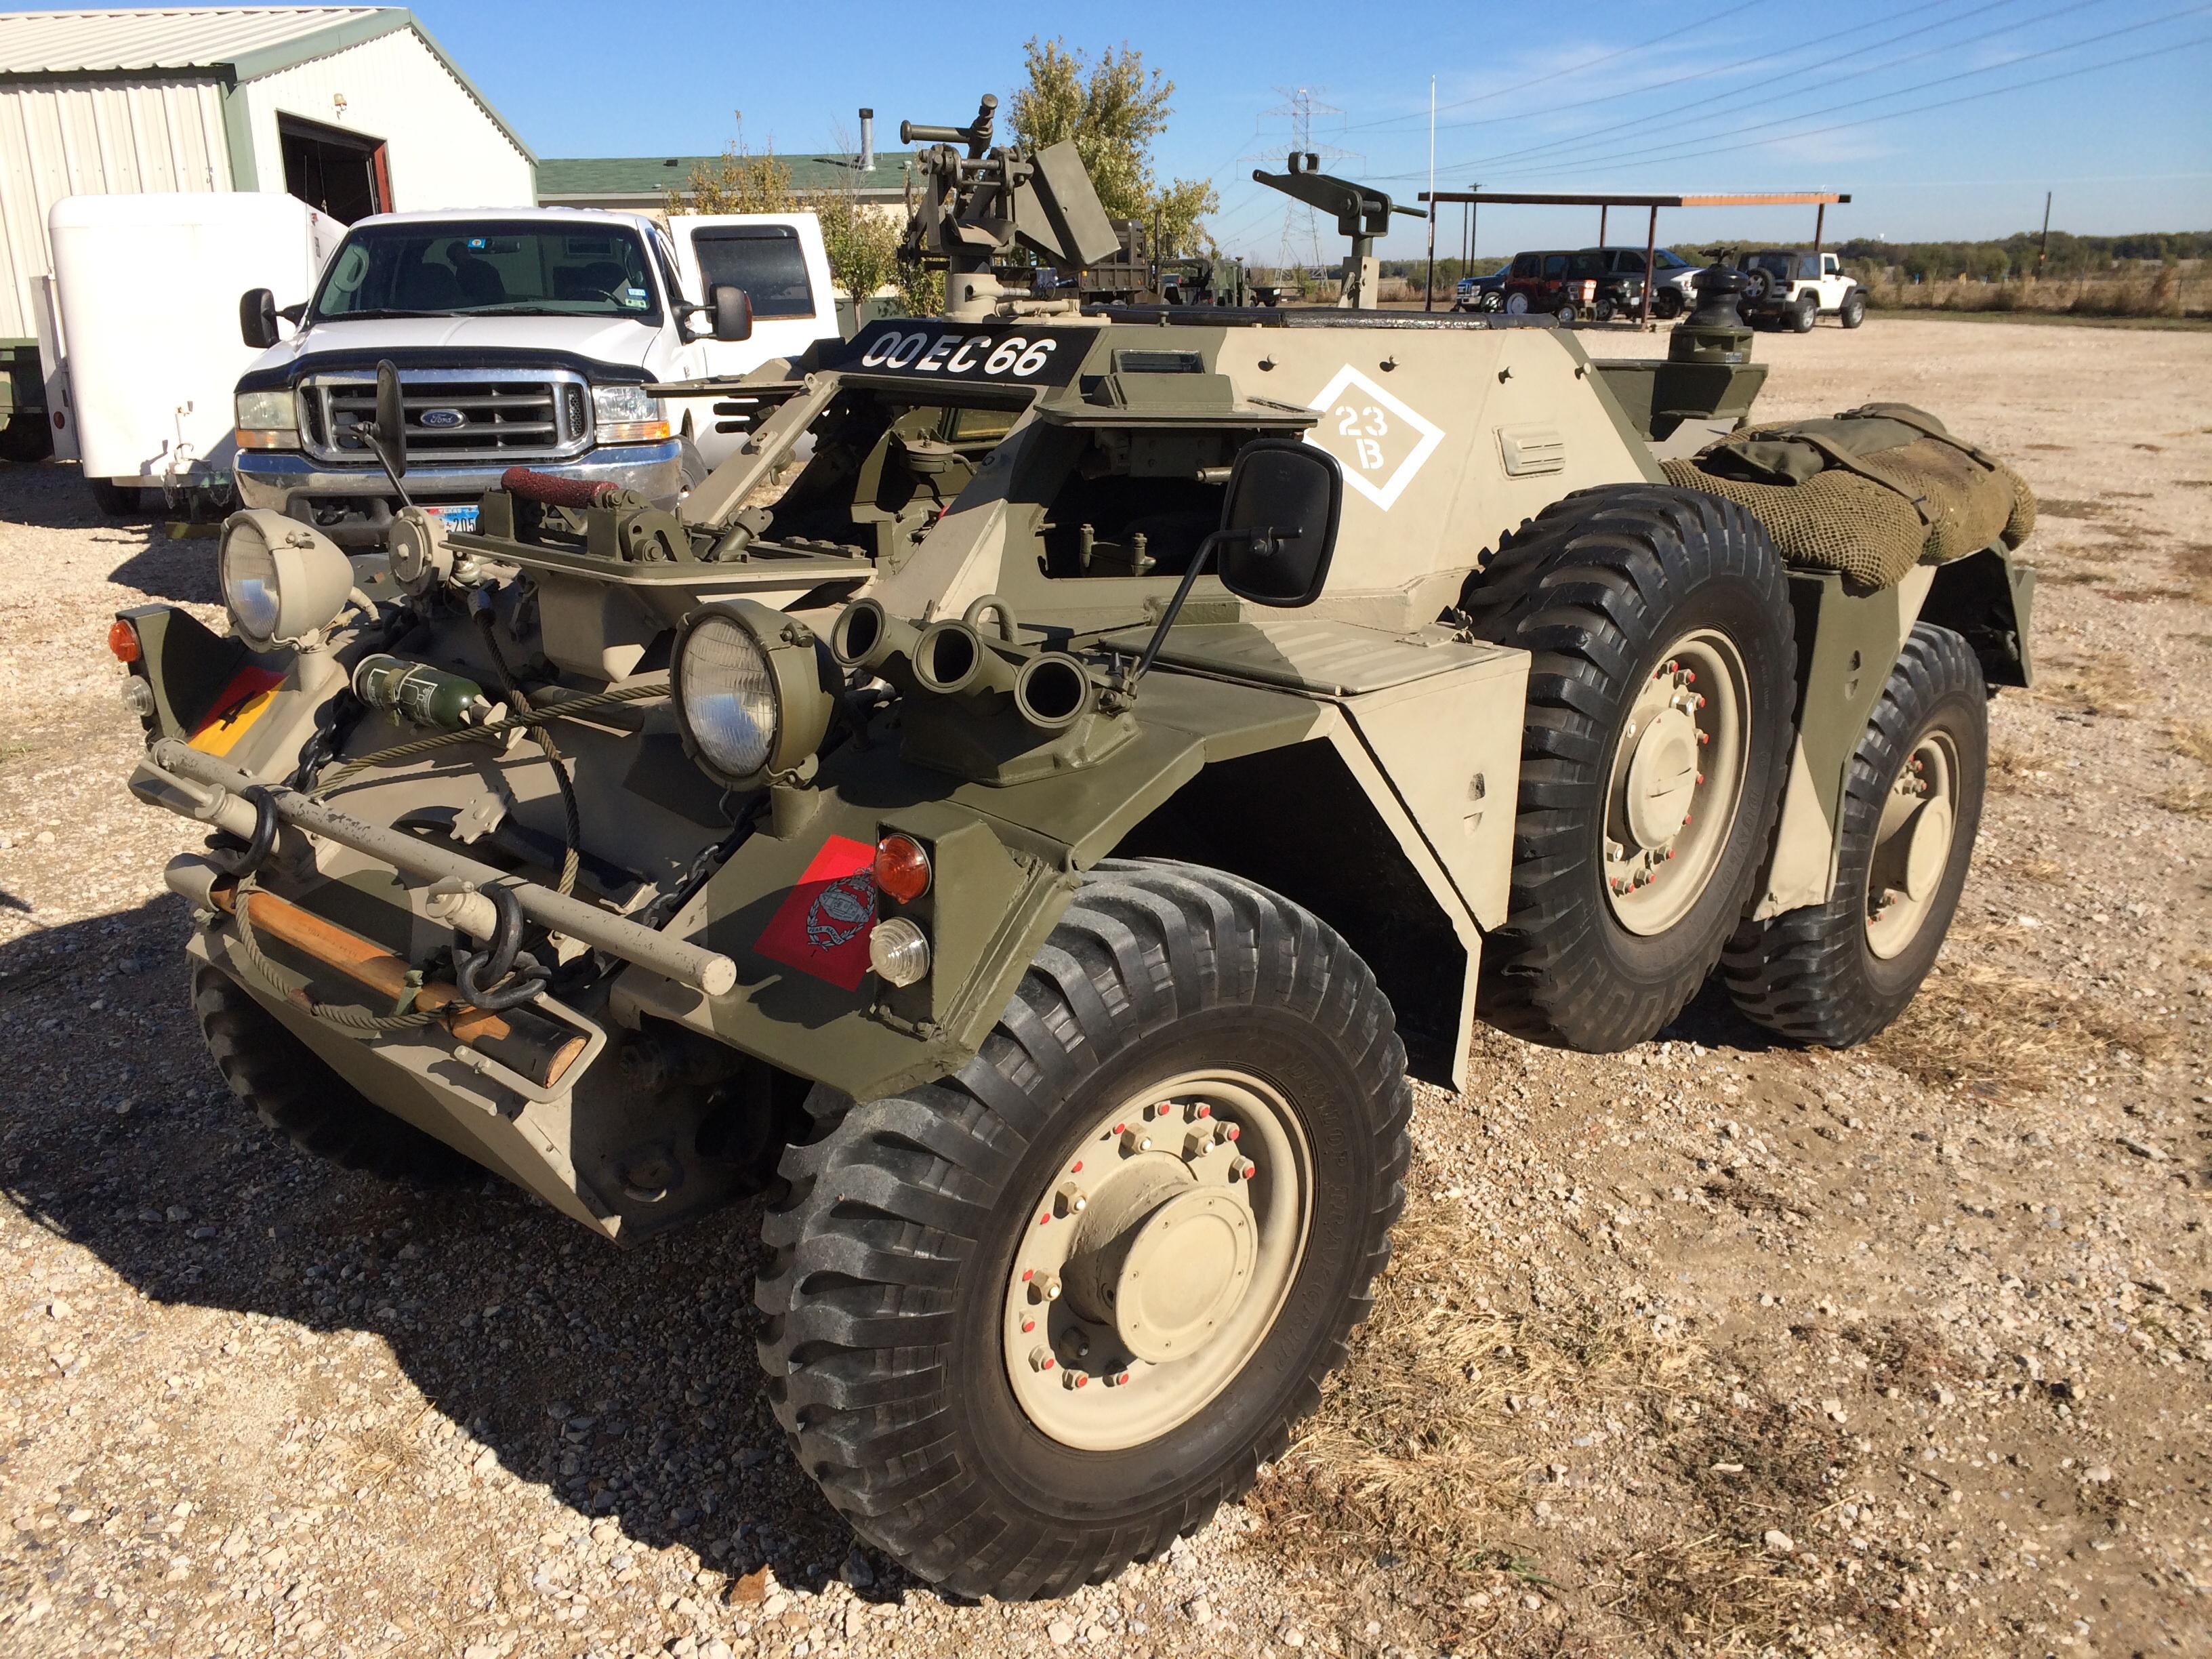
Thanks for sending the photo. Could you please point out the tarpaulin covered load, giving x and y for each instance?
(1870, 492)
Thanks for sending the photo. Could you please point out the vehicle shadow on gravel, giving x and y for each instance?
(54, 496)
(624, 1383)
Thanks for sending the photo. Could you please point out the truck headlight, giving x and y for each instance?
(267, 420)
(628, 415)
(749, 692)
(280, 579)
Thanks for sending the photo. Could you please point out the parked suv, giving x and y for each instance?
(1674, 291)
(1569, 285)
(1798, 287)
(523, 337)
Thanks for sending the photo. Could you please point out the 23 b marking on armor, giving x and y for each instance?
(1380, 439)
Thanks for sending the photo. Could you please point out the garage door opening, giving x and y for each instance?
(342, 174)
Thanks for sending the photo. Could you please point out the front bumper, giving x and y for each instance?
(353, 504)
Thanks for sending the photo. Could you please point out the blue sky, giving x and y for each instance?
(1633, 96)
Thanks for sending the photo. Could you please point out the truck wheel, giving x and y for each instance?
(1667, 304)
(1516, 305)
(291, 1090)
(1602, 311)
(1836, 973)
(1566, 313)
(1032, 1322)
(1655, 744)
(692, 465)
(1854, 311)
(116, 500)
(1808, 313)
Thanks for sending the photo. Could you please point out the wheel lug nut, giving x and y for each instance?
(1132, 1142)
(1074, 1379)
(1690, 677)
(1230, 1131)
(1041, 1359)
(1701, 777)
(1117, 1379)
(1045, 1288)
(1246, 1170)
(1704, 737)
(1070, 1198)
(1200, 1111)
(1197, 1144)
(1028, 1325)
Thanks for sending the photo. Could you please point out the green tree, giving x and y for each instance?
(1113, 109)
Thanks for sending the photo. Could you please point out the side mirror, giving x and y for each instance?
(257, 318)
(733, 313)
(1278, 525)
(391, 420)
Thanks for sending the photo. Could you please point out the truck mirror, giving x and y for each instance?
(391, 420)
(257, 318)
(733, 313)
(1278, 525)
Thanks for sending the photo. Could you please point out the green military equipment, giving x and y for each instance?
(1035, 808)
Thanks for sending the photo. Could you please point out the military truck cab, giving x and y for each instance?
(523, 338)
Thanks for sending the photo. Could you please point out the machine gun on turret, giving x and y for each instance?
(1363, 213)
(979, 203)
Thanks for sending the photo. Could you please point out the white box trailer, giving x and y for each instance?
(148, 289)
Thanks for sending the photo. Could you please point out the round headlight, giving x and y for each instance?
(748, 690)
(281, 579)
(249, 585)
(729, 696)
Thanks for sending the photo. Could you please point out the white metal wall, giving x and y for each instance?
(444, 150)
(75, 139)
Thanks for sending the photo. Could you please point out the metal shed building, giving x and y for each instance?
(354, 109)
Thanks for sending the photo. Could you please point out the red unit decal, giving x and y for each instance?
(822, 926)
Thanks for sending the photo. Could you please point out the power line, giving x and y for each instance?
(1750, 63)
(1572, 69)
(1587, 140)
(1704, 144)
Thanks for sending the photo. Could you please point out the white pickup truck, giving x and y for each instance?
(524, 337)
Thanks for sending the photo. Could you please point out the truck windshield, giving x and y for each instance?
(477, 270)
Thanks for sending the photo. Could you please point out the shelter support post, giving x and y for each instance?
(1820, 225)
(1650, 269)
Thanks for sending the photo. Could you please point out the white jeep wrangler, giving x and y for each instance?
(1797, 287)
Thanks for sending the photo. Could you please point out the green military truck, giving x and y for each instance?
(1039, 836)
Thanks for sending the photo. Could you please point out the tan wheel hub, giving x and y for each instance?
(1182, 1269)
(1676, 782)
(1912, 845)
(1154, 1265)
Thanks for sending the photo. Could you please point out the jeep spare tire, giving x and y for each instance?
(1655, 742)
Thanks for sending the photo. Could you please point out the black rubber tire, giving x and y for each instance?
(1806, 314)
(1667, 304)
(1566, 313)
(1807, 974)
(292, 1091)
(1854, 310)
(691, 465)
(1602, 311)
(894, 1242)
(1597, 586)
(116, 500)
(1514, 305)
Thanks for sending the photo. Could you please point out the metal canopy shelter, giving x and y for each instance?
(1819, 200)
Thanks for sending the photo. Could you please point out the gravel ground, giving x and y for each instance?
(1711, 1347)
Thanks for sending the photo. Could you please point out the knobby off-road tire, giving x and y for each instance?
(1836, 974)
(291, 1090)
(894, 1247)
(1608, 588)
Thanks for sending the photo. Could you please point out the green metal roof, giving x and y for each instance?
(655, 175)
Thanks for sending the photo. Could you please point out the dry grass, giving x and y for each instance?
(2184, 290)
(2192, 563)
(1425, 1441)
(2040, 869)
(1973, 1022)
(2192, 739)
(2099, 684)
(2191, 800)
(2016, 766)
(2067, 506)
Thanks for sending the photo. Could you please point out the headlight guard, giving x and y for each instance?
(751, 700)
(282, 579)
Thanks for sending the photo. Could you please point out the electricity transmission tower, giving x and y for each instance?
(1299, 106)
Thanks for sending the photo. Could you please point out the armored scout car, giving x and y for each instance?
(1038, 836)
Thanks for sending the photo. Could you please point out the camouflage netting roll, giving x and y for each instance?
(1870, 492)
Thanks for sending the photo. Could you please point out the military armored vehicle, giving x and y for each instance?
(1040, 836)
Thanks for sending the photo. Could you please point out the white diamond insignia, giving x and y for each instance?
(1381, 442)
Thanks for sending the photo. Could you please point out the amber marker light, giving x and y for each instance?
(122, 640)
(902, 868)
